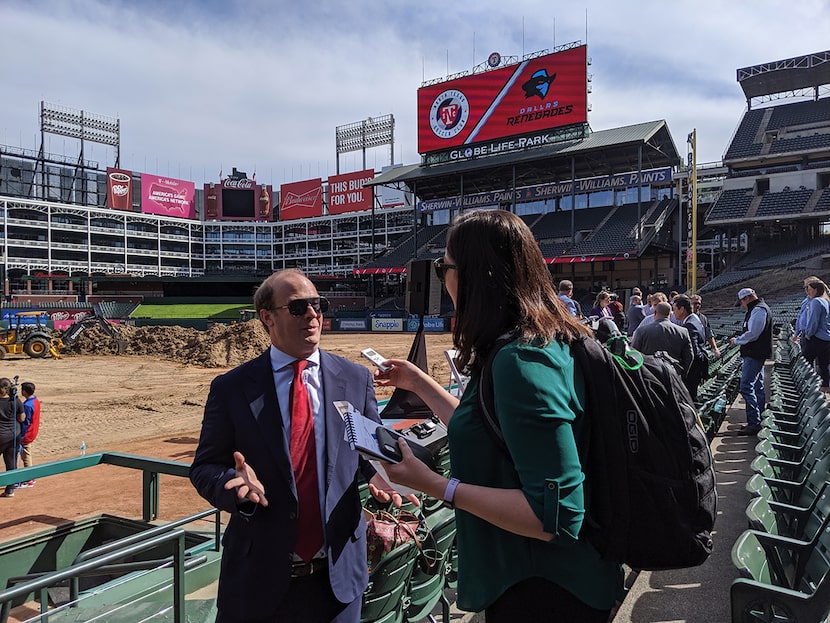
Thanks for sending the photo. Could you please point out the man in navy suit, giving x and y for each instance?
(269, 572)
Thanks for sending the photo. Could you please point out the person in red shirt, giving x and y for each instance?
(31, 426)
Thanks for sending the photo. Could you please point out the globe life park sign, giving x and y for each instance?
(508, 145)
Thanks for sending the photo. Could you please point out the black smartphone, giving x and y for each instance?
(388, 443)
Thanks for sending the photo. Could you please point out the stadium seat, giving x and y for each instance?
(385, 598)
(794, 446)
(788, 520)
(794, 421)
(427, 590)
(781, 579)
(801, 493)
(793, 471)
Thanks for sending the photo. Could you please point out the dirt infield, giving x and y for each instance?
(148, 403)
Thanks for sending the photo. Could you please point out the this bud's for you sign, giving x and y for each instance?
(347, 194)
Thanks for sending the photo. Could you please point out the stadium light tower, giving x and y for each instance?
(81, 125)
(371, 132)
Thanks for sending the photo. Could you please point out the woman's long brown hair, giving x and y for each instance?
(503, 286)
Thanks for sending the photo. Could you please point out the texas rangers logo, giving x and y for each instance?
(539, 84)
(449, 113)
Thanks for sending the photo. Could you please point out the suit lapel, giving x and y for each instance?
(262, 401)
(334, 386)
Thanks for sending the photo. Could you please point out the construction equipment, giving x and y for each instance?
(28, 333)
(247, 314)
(74, 331)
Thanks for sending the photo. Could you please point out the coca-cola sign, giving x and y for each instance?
(239, 184)
(301, 199)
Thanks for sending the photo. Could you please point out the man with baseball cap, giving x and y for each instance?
(756, 348)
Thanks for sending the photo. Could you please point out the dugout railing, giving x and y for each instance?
(107, 559)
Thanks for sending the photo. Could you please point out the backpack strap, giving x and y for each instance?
(486, 397)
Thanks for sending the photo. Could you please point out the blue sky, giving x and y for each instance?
(201, 86)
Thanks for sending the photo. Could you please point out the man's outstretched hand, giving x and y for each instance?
(383, 492)
(245, 482)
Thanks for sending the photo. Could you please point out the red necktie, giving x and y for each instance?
(303, 451)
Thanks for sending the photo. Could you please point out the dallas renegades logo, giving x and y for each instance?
(449, 113)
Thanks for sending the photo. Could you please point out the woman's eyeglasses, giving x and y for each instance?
(441, 267)
(298, 307)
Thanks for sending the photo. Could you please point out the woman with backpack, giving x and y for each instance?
(519, 512)
(816, 344)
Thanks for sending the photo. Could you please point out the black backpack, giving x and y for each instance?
(649, 476)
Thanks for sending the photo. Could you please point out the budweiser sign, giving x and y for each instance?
(305, 200)
(301, 199)
(238, 184)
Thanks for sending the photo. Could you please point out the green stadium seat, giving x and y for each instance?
(795, 590)
(801, 493)
(793, 471)
(800, 444)
(785, 520)
(425, 590)
(793, 419)
(385, 598)
(815, 427)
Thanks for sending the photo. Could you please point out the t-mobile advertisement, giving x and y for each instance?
(167, 196)
(119, 189)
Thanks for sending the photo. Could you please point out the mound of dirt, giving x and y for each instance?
(221, 346)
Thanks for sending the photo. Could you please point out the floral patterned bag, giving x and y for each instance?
(386, 531)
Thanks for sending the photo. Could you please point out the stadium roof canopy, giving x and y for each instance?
(606, 152)
(792, 74)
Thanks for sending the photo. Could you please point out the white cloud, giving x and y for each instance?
(203, 85)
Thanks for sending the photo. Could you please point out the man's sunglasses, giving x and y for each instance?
(298, 307)
(441, 267)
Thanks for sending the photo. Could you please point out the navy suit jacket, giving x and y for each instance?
(242, 413)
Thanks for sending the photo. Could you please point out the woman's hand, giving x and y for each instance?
(506, 508)
(414, 474)
(402, 373)
(410, 377)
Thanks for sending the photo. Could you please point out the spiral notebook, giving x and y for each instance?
(361, 432)
(374, 441)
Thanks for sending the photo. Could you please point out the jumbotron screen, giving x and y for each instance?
(238, 203)
(532, 96)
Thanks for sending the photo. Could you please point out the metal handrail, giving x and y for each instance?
(120, 567)
(150, 467)
(141, 536)
(74, 588)
(40, 585)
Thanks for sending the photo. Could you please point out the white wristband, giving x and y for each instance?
(449, 492)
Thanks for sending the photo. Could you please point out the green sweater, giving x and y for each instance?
(538, 407)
